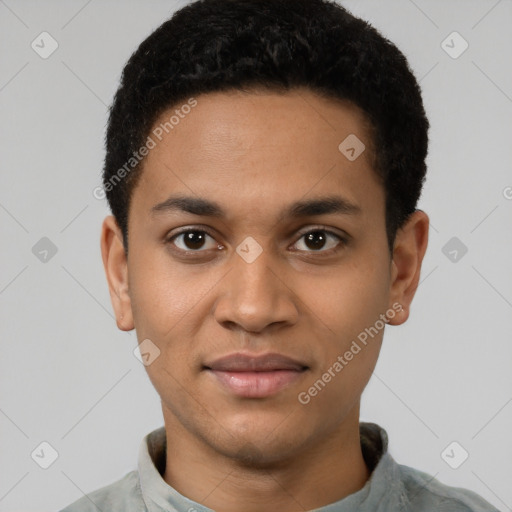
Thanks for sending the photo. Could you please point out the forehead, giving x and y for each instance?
(258, 150)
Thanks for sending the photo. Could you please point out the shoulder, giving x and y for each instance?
(124, 495)
(424, 492)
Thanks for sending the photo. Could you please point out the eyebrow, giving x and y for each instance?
(307, 208)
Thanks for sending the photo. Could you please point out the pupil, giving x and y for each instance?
(194, 240)
(316, 238)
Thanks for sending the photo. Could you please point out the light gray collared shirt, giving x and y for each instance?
(391, 487)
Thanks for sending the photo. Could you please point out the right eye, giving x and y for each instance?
(192, 240)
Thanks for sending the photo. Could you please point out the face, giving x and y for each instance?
(277, 245)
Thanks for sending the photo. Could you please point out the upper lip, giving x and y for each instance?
(240, 362)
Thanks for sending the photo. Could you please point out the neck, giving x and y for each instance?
(321, 473)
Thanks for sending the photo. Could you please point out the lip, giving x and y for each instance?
(255, 376)
(243, 362)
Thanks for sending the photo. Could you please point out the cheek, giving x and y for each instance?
(350, 299)
(346, 310)
(167, 305)
(348, 341)
(161, 295)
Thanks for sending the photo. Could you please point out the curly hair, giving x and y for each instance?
(218, 45)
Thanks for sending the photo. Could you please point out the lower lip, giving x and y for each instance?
(256, 384)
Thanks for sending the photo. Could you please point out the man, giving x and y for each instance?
(264, 162)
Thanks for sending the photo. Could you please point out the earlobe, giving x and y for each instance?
(408, 252)
(116, 271)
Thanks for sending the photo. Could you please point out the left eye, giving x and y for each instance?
(317, 239)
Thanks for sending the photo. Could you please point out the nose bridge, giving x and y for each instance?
(252, 267)
(254, 295)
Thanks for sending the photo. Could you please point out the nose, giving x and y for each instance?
(255, 297)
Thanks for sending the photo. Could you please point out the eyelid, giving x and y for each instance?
(320, 227)
(188, 229)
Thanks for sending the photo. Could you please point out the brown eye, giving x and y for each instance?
(192, 240)
(315, 240)
(319, 240)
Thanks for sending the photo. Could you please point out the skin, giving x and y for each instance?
(254, 154)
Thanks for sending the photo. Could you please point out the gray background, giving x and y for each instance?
(69, 377)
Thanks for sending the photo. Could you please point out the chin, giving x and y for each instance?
(261, 448)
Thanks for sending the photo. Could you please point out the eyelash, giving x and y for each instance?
(322, 229)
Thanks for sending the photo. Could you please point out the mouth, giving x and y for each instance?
(253, 376)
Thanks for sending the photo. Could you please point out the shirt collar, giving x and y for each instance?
(383, 491)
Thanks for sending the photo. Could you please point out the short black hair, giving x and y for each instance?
(221, 45)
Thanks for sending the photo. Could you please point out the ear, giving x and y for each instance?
(408, 252)
(116, 270)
